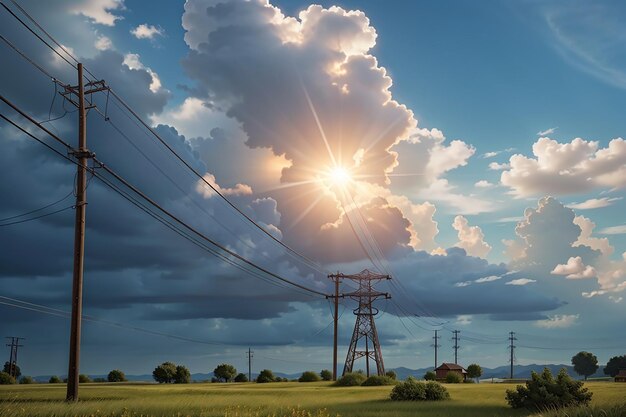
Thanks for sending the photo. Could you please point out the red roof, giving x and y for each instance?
(451, 367)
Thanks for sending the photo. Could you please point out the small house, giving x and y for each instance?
(445, 368)
(621, 376)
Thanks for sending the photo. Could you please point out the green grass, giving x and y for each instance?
(287, 399)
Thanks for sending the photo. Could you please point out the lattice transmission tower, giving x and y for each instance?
(365, 328)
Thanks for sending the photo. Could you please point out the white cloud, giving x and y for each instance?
(586, 229)
(495, 166)
(471, 238)
(484, 184)
(103, 43)
(238, 189)
(575, 269)
(547, 131)
(521, 281)
(463, 284)
(512, 219)
(490, 278)
(615, 299)
(132, 61)
(99, 11)
(145, 31)
(567, 168)
(594, 203)
(491, 154)
(558, 321)
(441, 190)
(614, 230)
(464, 319)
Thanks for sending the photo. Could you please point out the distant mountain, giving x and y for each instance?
(519, 372)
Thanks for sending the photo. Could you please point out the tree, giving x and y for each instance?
(6, 379)
(27, 380)
(7, 369)
(391, 374)
(614, 365)
(265, 376)
(430, 376)
(82, 378)
(164, 373)
(585, 364)
(182, 375)
(225, 372)
(474, 371)
(116, 376)
(241, 378)
(54, 380)
(309, 376)
(326, 375)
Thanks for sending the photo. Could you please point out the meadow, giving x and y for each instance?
(286, 399)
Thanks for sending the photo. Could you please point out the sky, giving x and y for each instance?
(471, 150)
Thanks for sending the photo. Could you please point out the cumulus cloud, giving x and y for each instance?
(484, 184)
(471, 238)
(145, 31)
(99, 11)
(495, 166)
(237, 189)
(575, 269)
(594, 203)
(103, 43)
(558, 321)
(133, 62)
(567, 168)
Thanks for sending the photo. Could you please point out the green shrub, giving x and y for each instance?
(469, 381)
(351, 379)
(27, 380)
(543, 392)
(54, 380)
(6, 379)
(241, 378)
(116, 376)
(377, 380)
(430, 376)
(326, 375)
(454, 378)
(266, 376)
(413, 390)
(391, 374)
(82, 378)
(309, 376)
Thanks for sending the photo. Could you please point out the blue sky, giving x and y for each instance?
(474, 84)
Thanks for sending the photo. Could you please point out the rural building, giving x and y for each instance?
(621, 376)
(445, 368)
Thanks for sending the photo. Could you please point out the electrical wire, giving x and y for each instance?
(36, 217)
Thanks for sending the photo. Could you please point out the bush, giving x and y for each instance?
(430, 376)
(265, 376)
(377, 380)
(27, 380)
(469, 381)
(309, 376)
(454, 378)
(391, 374)
(351, 379)
(326, 375)
(100, 380)
(241, 378)
(164, 373)
(544, 392)
(413, 390)
(16, 369)
(6, 379)
(82, 378)
(116, 376)
(54, 380)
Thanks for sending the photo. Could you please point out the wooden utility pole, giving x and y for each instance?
(456, 345)
(436, 345)
(79, 244)
(336, 279)
(512, 338)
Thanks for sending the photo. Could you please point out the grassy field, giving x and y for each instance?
(275, 400)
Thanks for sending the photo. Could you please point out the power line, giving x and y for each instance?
(37, 210)
(36, 217)
(135, 190)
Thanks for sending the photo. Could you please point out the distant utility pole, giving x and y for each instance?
(82, 155)
(512, 338)
(250, 352)
(336, 278)
(15, 344)
(455, 338)
(436, 345)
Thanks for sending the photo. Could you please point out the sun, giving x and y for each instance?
(339, 176)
